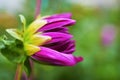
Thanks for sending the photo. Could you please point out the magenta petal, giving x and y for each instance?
(58, 37)
(63, 15)
(57, 23)
(67, 47)
(61, 20)
(60, 29)
(52, 57)
(70, 47)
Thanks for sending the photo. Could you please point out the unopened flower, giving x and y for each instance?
(48, 41)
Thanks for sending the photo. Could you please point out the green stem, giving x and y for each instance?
(18, 72)
(31, 77)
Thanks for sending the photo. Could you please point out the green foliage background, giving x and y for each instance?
(100, 62)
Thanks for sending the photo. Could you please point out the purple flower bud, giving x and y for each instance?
(58, 51)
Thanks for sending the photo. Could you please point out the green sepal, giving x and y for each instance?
(23, 20)
(15, 34)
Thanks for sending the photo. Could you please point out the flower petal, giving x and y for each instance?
(57, 23)
(60, 29)
(52, 57)
(31, 49)
(58, 37)
(38, 39)
(67, 47)
(61, 19)
(63, 15)
(34, 26)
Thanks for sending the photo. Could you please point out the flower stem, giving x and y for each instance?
(18, 72)
(37, 9)
(31, 77)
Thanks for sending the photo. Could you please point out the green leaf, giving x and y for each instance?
(1, 45)
(13, 51)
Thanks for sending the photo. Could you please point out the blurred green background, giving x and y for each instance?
(100, 62)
